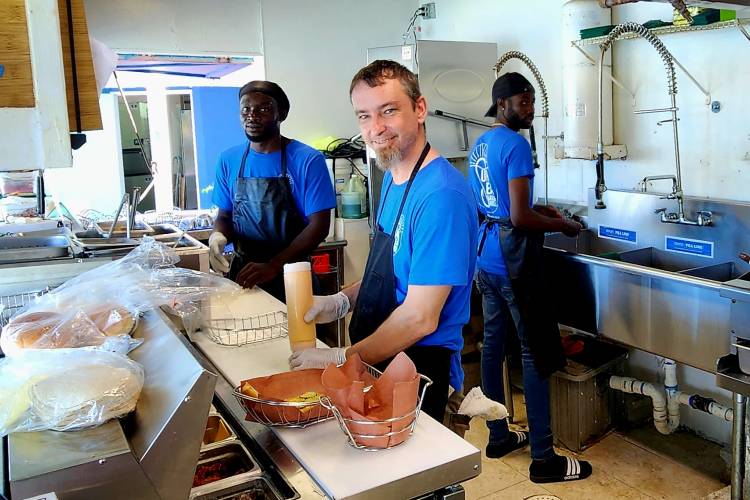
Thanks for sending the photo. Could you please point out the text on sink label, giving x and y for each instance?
(614, 233)
(700, 248)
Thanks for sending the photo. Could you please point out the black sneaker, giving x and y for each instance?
(558, 469)
(515, 441)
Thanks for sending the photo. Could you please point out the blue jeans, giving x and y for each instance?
(501, 316)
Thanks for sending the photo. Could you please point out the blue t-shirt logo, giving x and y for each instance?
(479, 165)
(398, 234)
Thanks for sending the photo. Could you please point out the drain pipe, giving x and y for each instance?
(658, 398)
(667, 403)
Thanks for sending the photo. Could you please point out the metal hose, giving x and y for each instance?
(514, 54)
(646, 34)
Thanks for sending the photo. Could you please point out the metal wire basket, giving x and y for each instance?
(282, 413)
(10, 304)
(374, 439)
(242, 331)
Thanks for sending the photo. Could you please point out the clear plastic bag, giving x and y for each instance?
(66, 389)
(106, 301)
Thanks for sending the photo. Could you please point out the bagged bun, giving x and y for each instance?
(113, 320)
(49, 330)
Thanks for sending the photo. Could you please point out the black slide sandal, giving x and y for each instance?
(559, 469)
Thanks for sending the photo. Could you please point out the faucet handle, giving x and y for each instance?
(704, 217)
(660, 211)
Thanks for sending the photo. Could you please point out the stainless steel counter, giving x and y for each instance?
(622, 278)
(431, 459)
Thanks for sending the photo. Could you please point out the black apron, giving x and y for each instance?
(377, 292)
(265, 220)
(522, 252)
(377, 300)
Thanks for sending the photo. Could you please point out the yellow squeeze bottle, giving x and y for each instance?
(299, 299)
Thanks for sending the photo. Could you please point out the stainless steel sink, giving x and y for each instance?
(14, 249)
(726, 271)
(659, 259)
(586, 243)
(642, 297)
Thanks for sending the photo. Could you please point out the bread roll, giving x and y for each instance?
(45, 330)
(29, 329)
(112, 320)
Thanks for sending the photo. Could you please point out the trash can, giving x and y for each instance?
(583, 407)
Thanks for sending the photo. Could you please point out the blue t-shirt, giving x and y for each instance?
(435, 243)
(499, 156)
(312, 188)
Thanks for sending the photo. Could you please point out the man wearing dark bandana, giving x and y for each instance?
(274, 195)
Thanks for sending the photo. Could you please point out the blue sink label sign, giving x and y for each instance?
(688, 246)
(614, 233)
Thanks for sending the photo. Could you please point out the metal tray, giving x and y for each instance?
(217, 431)
(102, 243)
(232, 450)
(743, 354)
(33, 248)
(139, 229)
(258, 489)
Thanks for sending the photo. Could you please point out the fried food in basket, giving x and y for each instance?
(303, 386)
(248, 390)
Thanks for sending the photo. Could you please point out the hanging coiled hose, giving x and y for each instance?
(514, 54)
(647, 35)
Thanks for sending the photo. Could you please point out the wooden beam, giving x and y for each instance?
(16, 83)
(88, 97)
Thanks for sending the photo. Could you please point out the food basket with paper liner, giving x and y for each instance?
(66, 389)
(375, 410)
(289, 399)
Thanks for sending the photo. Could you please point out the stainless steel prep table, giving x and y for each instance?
(433, 458)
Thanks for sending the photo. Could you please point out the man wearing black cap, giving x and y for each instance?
(510, 278)
(274, 195)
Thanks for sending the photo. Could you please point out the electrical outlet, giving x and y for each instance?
(428, 10)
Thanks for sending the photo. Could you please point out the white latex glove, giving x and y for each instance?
(316, 357)
(327, 308)
(216, 244)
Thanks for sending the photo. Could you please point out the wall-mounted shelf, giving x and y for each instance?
(667, 30)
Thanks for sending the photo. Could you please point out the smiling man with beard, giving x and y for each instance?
(274, 195)
(414, 295)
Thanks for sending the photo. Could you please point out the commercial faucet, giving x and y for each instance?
(704, 218)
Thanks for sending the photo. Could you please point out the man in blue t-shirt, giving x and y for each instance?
(414, 295)
(274, 195)
(511, 236)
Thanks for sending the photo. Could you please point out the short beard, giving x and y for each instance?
(387, 158)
